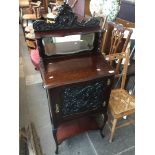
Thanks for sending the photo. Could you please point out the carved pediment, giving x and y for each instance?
(65, 19)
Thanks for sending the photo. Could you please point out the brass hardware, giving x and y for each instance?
(57, 108)
(108, 82)
(112, 71)
(103, 104)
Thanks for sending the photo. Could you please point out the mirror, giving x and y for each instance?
(69, 44)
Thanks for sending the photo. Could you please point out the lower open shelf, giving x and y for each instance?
(74, 127)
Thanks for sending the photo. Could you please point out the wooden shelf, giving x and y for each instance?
(75, 127)
(60, 72)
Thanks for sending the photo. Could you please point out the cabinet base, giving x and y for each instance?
(75, 127)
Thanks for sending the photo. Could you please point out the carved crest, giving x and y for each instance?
(65, 19)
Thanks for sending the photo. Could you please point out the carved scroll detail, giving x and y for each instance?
(83, 98)
(65, 19)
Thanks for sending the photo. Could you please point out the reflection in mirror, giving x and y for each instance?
(68, 44)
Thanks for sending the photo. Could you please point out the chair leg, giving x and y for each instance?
(113, 130)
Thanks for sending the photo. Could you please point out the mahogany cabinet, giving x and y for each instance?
(75, 75)
(78, 90)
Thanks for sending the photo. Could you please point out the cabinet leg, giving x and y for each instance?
(56, 150)
(103, 125)
(56, 142)
(102, 135)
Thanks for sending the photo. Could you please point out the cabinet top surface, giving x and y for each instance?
(59, 72)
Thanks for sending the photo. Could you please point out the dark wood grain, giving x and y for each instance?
(62, 32)
(77, 69)
(96, 44)
(75, 84)
(74, 127)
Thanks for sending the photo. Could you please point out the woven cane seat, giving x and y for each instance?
(121, 103)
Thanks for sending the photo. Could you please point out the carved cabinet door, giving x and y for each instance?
(80, 99)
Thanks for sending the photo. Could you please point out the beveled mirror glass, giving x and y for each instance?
(69, 44)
